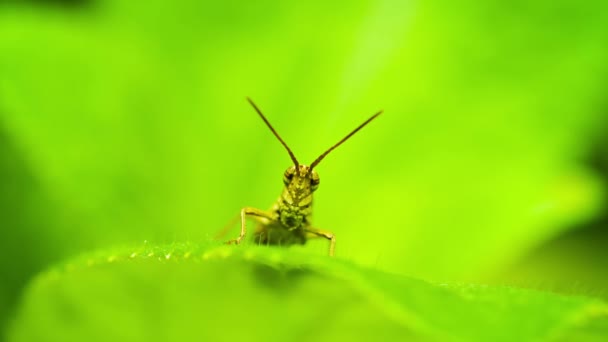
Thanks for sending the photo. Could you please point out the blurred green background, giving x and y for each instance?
(125, 121)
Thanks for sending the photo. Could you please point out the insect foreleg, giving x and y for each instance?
(326, 234)
(248, 211)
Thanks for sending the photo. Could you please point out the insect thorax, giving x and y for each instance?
(276, 234)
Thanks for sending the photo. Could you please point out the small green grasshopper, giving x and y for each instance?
(288, 221)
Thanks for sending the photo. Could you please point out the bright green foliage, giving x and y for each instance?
(125, 121)
(178, 293)
(132, 119)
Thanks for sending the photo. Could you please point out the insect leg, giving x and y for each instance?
(227, 227)
(248, 211)
(326, 234)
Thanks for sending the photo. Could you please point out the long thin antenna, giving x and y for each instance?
(293, 157)
(318, 160)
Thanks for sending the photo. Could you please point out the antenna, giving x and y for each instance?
(293, 157)
(318, 160)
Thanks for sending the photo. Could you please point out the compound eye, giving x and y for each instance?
(314, 180)
(288, 175)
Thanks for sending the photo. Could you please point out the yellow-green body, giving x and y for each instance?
(290, 223)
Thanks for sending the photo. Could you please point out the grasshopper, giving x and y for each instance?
(288, 221)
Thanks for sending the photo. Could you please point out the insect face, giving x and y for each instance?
(302, 182)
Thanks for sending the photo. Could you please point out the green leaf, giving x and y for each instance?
(187, 292)
(134, 122)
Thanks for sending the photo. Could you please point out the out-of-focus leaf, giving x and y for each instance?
(231, 293)
(131, 116)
